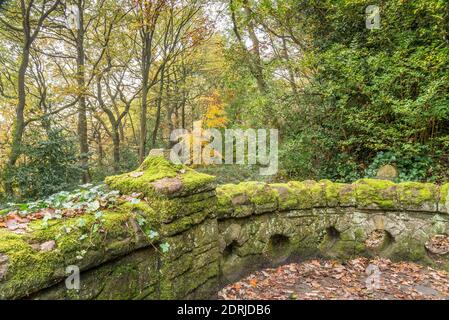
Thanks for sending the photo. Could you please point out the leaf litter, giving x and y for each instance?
(330, 280)
(86, 199)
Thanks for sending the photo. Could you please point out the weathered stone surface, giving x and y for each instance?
(347, 195)
(387, 172)
(37, 259)
(443, 205)
(285, 196)
(376, 194)
(406, 213)
(217, 236)
(240, 199)
(162, 178)
(168, 185)
(47, 245)
(134, 276)
(232, 233)
(414, 196)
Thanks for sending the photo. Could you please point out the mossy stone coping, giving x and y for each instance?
(178, 198)
(38, 258)
(249, 198)
(157, 177)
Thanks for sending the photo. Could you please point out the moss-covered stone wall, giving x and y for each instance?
(265, 224)
(164, 246)
(187, 237)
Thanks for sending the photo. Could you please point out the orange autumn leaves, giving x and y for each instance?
(215, 116)
(329, 279)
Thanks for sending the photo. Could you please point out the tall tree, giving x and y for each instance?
(246, 24)
(26, 22)
(147, 15)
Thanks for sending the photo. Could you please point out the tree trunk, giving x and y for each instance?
(291, 74)
(116, 148)
(146, 55)
(82, 107)
(252, 55)
(100, 150)
(183, 114)
(143, 123)
(19, 122)
(256, 59)
(158, 111)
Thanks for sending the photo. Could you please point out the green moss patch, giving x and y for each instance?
(376, 194)
(418, 196)
(86, 241)
(443, 205)
(156, 176)
(247, 198)
(309, 193)
(286, 197)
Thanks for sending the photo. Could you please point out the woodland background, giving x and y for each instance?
(82, 101)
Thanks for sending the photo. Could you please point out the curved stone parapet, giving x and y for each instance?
(214, 235)
(119, 254)
(261, 224)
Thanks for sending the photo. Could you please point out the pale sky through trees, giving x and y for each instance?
(344, 98)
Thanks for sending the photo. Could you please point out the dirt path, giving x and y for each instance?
(360, 278)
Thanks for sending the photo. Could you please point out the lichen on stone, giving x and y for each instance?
(38, 258)
(417, 196)
(376, 194)
(443, 205)
(214, 234)
(334, 193)
(157, 176)
(309, 194)
(347, 195)
(286, 197)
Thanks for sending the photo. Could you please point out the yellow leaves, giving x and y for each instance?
(215, 116)
(198, 143)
